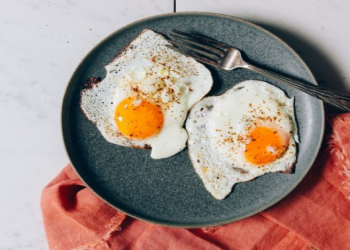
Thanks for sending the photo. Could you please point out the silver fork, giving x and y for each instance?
(224, 56)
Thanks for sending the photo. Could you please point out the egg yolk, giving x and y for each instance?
(138, 119)
(266, 145)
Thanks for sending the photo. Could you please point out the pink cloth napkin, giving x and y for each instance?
(316, 215)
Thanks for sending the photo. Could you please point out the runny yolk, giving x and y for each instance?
(266, 145)
(138, 119)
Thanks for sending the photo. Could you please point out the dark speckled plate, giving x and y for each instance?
(168, 191)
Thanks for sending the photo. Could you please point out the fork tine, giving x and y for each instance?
(194, 56)
(206, 40)
(191, 48)
(209, 48)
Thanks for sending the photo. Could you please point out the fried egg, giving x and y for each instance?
(246, 132)
(144, 99)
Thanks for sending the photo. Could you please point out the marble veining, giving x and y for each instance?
(43, 41)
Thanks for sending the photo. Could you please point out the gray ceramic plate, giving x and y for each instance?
(168, 191)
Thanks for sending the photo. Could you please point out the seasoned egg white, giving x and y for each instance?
(246, 132)
(144, 99)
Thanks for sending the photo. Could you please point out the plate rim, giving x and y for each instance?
(69, 148)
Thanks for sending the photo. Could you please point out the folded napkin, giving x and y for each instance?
(316, 215)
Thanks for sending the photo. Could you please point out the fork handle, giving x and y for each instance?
(337, 99)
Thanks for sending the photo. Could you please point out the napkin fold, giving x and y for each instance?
(316, 215)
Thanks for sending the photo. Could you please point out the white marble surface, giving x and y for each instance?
(41, 43)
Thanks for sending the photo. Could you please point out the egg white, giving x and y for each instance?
(216, 120)
(147, 68)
